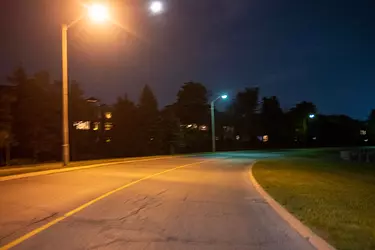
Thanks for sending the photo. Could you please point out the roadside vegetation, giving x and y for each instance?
(335, 199)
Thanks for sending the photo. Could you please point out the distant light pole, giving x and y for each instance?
(213, 121)
(98, 13)
(305, 124)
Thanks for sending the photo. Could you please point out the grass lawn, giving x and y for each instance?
(335, 199)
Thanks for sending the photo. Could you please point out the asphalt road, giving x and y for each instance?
(156, 204)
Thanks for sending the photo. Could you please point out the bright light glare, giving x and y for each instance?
(156, 7)
(311, 116)
(98, 12)
(224, 96)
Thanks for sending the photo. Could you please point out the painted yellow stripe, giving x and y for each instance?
(76, 210)
(68, 169)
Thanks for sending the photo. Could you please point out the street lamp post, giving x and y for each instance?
(98, 13)
(213, 135)
(65, 118)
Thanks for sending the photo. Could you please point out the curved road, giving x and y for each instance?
(176, 203)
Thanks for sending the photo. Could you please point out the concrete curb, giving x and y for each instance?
(296, 224)
(68, 169)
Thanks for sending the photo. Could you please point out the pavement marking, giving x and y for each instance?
(76, 210)
(68, 169)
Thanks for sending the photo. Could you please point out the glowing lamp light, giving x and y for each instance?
(311, 116)
(156, 7)
(98, 12)
(224, 96)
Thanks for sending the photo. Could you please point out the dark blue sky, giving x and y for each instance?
(316, 50)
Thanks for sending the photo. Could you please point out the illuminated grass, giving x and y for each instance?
(335, 199)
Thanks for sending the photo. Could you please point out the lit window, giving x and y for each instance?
(203, 128)
(108, 115)
(362, 132)
(265, 138)
(96, 126)
(108, 126)
(82, 125)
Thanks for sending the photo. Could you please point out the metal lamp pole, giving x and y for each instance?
(213, 135)
(65, 91)
(65, 110)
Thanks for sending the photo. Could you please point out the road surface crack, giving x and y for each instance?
(134, 212)
(161, 192)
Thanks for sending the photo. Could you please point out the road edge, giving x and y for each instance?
(68, 169)
(295, 223)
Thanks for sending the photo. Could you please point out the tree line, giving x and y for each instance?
(30, 123)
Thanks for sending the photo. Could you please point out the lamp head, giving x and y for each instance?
(98, 12)
(156, 7)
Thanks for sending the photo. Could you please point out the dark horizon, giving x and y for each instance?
(312, 50)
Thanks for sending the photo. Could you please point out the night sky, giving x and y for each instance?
(316, 50)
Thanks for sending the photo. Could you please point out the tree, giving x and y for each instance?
(125, 131)
(148, 119)
(36, 115)
(338, 130)
(244, 113)
(298, 120)
(192, 104)
(170, 130)
(192, 110)
(6, 100)
(371, 125)
(272, 122)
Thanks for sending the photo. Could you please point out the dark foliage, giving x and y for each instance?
(30, 123)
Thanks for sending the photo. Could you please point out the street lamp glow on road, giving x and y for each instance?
(156, 7)
(98, 12)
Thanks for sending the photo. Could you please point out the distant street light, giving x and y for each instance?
(213, 121)
(311, 116)
(156, 7)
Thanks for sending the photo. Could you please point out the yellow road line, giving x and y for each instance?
(76, 210)
(68, 169)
